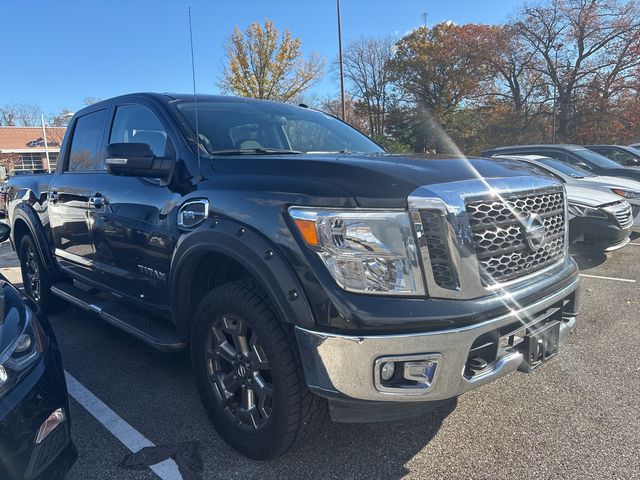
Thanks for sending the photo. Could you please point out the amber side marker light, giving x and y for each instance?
(307, 229)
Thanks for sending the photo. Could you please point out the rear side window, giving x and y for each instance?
(138, 124)
(85, 144)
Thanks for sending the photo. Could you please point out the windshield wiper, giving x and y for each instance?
(256, 151)
(331, 152)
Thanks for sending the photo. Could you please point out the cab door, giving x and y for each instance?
(71, 191)
(132, 237)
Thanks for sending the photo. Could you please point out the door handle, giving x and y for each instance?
(97, 201)
(53, 197)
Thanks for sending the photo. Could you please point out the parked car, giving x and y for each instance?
(573, 155)
(635, 145)
(626, 156)
(598, 221)
(308, 271)
(35, 437)
(3, 199)
(570, 175)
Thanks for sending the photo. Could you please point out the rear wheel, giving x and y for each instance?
(35, 279)
(249, 375)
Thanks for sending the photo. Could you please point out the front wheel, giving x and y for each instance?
(249, 375)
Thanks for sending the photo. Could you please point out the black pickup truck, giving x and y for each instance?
(308, 271)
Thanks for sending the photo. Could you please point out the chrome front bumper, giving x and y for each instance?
(343, 367)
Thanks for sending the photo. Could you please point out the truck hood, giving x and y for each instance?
(374, 180)
(590, 196)
(12, 315)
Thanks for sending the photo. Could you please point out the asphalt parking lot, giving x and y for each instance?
(576, 417)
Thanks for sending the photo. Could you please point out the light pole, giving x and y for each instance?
(341, 65)
(555, 94)
(46, 144)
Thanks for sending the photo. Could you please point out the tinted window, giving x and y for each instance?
(621, 156)
(564, 168)
(138, 124)
(594, 158)
(239, 125)
(553, 154)
(85, 145)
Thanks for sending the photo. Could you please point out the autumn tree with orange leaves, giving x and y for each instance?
(263, 63)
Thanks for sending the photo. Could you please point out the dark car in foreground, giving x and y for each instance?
(35, 441)
(573, 155)
(626, 156)
(309, 272)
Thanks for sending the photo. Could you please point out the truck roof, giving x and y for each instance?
(167, 97)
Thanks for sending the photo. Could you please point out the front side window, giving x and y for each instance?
(85, 149)
(565, 169)
(138, 124)
(622, 157)
(228, 126)
(593, 158)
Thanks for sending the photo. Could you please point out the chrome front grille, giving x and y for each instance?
(499, 237)
(470, 236)
(623, 213)
(435, 240)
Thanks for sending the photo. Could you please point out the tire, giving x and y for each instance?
(237, 317)
(35, 279)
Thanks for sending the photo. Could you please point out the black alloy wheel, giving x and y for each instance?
(36, 279)
(31, 272)
(239, 373)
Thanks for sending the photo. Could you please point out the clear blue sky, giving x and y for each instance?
(56, 53)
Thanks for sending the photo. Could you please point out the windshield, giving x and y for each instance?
(565, 169)
(596, 159)
(233, 126)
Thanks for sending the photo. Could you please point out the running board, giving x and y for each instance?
(143, 328)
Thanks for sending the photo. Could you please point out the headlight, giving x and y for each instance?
(365, 251)
(21, 354)
(626, 193)
(584, 211)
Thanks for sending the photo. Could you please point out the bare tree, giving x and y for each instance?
(367, 69)
(20, 115)
(7, 160)
(579, 42)
(29, 115)
(91, 100)
(357, 116)
(60, 119)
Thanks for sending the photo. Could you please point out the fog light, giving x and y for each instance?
(3, 375)
(24, 342)
(388, 369)
(50, 424)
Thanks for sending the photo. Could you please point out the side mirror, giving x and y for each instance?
(583, 166)
(137, 160)
(5, 231)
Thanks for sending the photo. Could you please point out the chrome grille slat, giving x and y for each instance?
(434, 238)
(623, 213)
(498, 234)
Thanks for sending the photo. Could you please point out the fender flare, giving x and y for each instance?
(28, 215)
(256, 254)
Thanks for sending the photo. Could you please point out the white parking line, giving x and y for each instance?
(636, 244)
(125, 433)
(628, 280)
